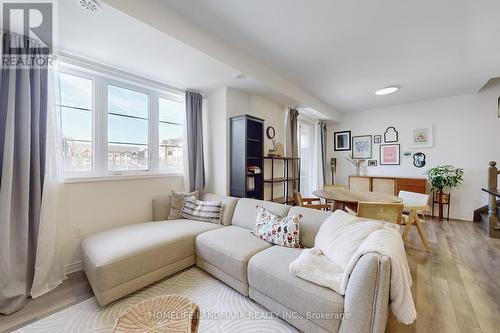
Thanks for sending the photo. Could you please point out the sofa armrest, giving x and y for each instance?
(366, 302)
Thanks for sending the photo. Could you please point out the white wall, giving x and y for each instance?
(215, 132)
(89, 207)
(237, 103)
(466, 134)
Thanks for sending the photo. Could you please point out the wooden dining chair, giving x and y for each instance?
(314, 203)
(387, 212)
(412, 199)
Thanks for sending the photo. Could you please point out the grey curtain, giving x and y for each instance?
(194, 102)
(23, 124)
(322, 142)
(292, 145)
(292, 139)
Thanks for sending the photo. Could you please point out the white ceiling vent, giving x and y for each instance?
(91, 6)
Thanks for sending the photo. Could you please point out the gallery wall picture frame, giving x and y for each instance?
(422, 136)
(407, 154)
(377, 139)
(391, 135)
(362, 147)
(342, 141)
(419, 160)
(390, 154)
(372, 163)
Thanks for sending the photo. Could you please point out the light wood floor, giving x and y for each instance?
(456, 288)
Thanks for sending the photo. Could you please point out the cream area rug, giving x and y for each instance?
(222, 308)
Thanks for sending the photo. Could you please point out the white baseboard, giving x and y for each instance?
(73, 267)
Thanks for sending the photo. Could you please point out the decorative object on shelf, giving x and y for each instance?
(421, 137)
(441, 177)
(419, 160)
(333, 166)
(358, 163)
(372, 163)
(342, 141)
(390, 154)
(251, 183)
(391, 135)
(407, 154)
(279, 151)
(377, 138)
(254, 169)
(362, 147)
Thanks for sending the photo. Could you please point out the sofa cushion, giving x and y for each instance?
(268, 273)
(228, 205)
(283, 231)
(205, 211)
(312, 219)
(177, 202)
(121, 254)
(229, 249)
(245, 212)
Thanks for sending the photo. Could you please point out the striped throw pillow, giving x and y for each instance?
(206, 211)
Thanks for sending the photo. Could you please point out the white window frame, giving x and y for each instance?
(102, 77)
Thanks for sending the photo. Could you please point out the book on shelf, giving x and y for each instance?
(250, 183)
(254, 169)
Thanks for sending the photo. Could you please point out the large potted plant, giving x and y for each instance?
(442, 177)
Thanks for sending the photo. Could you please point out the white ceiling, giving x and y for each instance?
(117, 40)
(342, 51)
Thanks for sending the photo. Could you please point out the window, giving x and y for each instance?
(306, 142)
(171, 134)
(75, 103)
(116, 124)
(127, 129)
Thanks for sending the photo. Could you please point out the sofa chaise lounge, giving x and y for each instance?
(120, 261)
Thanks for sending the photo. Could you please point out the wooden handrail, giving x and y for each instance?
(493, 191)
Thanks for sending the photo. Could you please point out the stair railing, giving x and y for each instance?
(493, 173)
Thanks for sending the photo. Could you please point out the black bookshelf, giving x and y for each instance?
(247, 150)
(290, 178)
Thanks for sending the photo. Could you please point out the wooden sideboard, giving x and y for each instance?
(388, 185)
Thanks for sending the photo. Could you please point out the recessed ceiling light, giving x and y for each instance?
(387, 90)
(240, 76)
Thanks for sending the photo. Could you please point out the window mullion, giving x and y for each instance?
(100, 126)
(153, 132)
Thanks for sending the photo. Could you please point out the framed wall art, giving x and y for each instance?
(372, 163)
(421, 137)
(391, 135)
(362, 147)
(342, 141)
(377, 138)
(419, 160)
(390, 154)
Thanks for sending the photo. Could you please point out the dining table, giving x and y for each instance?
(343, 198)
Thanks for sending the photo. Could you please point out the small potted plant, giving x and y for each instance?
(441, 177)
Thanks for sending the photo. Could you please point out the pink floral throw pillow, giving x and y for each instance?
(284, 231)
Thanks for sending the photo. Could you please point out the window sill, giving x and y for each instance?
(93, 179)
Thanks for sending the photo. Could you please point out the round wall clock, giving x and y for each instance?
(270, 132)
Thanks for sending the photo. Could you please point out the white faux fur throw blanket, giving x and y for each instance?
(314, 266)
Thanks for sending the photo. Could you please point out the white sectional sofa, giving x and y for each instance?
(122, 260)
